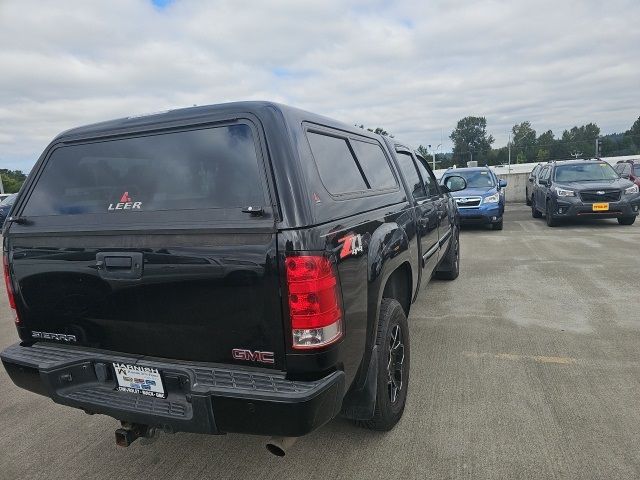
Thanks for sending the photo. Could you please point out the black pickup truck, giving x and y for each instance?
(246, 267)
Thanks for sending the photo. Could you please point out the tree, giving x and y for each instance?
(12, 180)
(470, 135)
(542, 155)
(523, 134)
(580, 140)
(524, 138)
(422, 150)
(634, 131)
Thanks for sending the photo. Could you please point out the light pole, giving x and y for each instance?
(509, 169)
(433, 154)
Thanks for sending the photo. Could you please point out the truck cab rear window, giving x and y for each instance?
(198, 169)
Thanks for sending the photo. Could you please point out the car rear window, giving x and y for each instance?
(374, 164)
(197, 169)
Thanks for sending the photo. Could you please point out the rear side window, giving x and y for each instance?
(337, 166)
(430, 183)
(374, 164)
(411, 175)
(544, 174)
(197, 169)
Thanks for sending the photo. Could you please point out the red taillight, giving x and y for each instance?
(9, 285)
(314, 301)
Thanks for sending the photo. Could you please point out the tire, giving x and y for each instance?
(551, 222)
(449, 268)
(534, 211)
(393, 367)
(498, 225)
(627, 220)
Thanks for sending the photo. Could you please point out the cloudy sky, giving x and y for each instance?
(414, 67)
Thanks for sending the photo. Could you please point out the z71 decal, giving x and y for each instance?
(352, 245)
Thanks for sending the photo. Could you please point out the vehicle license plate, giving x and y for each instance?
(600, 207)
(137, 379)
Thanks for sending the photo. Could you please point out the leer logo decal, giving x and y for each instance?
(125, 203)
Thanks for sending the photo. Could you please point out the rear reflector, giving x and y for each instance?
(9, 285)
(314, 301)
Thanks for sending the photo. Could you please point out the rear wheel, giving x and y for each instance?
(393, 367)
(627, 220)
(551, 222)
(449, 268)
(534, 211)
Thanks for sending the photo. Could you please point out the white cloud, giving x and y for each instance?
(412, 67)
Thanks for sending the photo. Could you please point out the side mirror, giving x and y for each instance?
(454, 183)
(502, 183)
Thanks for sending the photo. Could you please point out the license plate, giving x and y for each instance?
(141, 380)
(600, 207)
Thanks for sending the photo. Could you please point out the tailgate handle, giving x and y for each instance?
(119, 265)
(118, 262)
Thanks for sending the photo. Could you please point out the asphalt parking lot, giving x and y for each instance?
(527, 366)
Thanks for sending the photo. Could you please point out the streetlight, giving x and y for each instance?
(433, 154)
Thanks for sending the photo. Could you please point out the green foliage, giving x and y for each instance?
(634, 131)
(470, 139)
(12, 180)
(524, 135)
(422, 150)
(543, 155)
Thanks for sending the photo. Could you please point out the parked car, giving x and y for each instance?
(246, 267)
(5, 207)
(629, 169)
(482, 201)
(584, 188)
(531, 182)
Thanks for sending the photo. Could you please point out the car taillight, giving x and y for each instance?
(314, 301)
(9, 285)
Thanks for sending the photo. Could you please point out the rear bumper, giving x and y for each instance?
(201, 398)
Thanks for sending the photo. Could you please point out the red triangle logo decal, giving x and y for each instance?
(125, 198)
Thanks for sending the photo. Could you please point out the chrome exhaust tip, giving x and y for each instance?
(279, 446)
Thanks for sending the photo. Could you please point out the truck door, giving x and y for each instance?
(441, 202)
(427, 213)
(541, 188)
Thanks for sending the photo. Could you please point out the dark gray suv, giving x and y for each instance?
(583, 188)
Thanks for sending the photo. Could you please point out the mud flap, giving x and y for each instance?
(360, 404)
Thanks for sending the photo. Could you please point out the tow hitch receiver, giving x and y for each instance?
(130, 432)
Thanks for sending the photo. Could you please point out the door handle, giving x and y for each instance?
(120, 265)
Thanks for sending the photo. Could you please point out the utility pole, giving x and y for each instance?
(509, 153)
(433, 154)
(597, 147)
